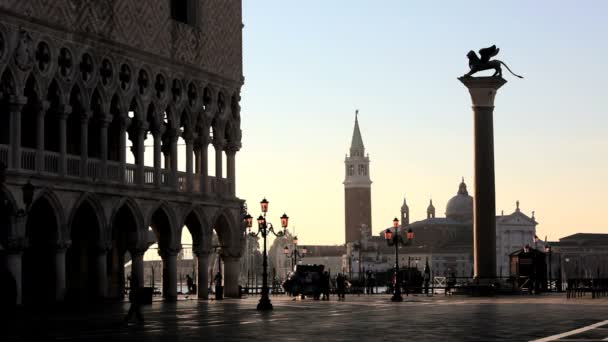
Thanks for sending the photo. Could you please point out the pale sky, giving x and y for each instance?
(309, 64)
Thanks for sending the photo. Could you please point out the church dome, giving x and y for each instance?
(460, 207)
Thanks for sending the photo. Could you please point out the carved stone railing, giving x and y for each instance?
(130, 173)
(94, 168)
(51, 162)
(148, 175)
(164, 177)
(113, 171)
(73, 166)
(181, 181)
(28, 159)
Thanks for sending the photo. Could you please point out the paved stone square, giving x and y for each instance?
(363, 318)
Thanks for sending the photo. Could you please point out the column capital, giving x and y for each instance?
(172, 133)
(218, 143)
(169, 251)
(232, 148)
(42, 106)
(483, 89)
(63, 111)
(62, 245)
(137, 251)
(16, 102)
(85, 115)
(103, 247)
(15, 245)
(202, 252)
(157, 130)
(189, 136)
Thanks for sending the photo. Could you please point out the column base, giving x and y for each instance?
(264, 304)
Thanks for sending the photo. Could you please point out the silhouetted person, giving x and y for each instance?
(190, 284)
(219, 291)
(135, 297)
(325, 285)
(341, 285)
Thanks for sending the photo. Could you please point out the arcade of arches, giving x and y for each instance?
(72, 117)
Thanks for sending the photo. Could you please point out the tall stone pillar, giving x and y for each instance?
(203, 274)
(43, 106)
(483, 91)
(122, 147)
(14, 264)
(137, 267)
(204, 141)
(84, 143)
(103, 146)
(157, 135)
(16, 104)
(141, 148)
(173, 144)
(62, 114)
(101, 261)
(169, 256)
(188, 137)
(232, 268)
(231, 166)
(219, 150)
(60, 287)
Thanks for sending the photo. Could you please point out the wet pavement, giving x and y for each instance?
(358, 318)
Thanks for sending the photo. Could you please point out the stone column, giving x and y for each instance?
(137, 266)
(43, 106)
(219, 150)
(157, 135)
(174, 135)
(103, 146)
(14, 263)
(62, 115)
(231, 172)
(231, 276)
(169, 256)
(15, 106)
(101, 261)
(204, 163)
(122, 148)
(203, 274)
(84, 143)
(197, 157)
(483, 91)
(60, 289)
(141, 148)
(188, 138)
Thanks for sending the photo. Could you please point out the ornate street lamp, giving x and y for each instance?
(264, 228)
(395, 239)
(548, 251)
(295, 254)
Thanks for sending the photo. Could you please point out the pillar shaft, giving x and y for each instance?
(103, 148)
(84, 145)
(63, 141)
(218, 161)
(483, 91)
(122, 148)
(173, 153)
(204, 166)
(231, 172)
(157, 154)
(231, 276)
(14, 264)
(203, 275)
(102, 273)
(15, 107)
(41, 111)
(137, 268)
(189, 152)
(60, 274)
(169, 275)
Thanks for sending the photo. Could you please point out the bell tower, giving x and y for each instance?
(405, 214)
(357, 188)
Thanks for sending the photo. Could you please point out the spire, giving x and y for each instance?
(356, 146)
(430, 211)
(405, 214)
(462, 189)
(404, 203)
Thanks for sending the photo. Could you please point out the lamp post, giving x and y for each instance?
(264, 228)
(548, 251)
(295, 254)
(395, 239)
